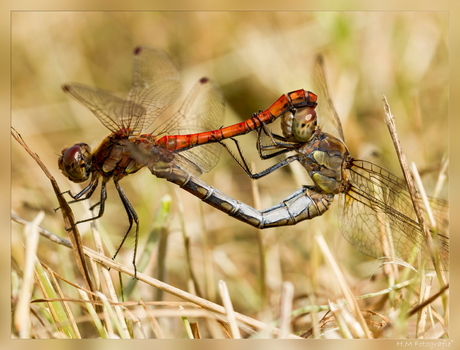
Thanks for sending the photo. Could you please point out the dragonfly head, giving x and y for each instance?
(304, 123)
(75, 162)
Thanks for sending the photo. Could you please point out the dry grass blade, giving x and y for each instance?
(63, 310)
(92, 312)
(260, 242)
(67, 214)
(210, 288)
(187, 249)
(114, 318)
(285, 309)
(195, 330)
(229, 310)
(343, 284)
(338, 313)
(45, 233)
(153, 322)
(441, 177)
(391, 123)
(422, 191)
(428, 301)
(186, 322)
(21, 316)
(205, 304)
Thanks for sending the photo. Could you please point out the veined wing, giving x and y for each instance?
(203, 110)
(155, 87)
(377, 215)
(327, 115)
(106, 107)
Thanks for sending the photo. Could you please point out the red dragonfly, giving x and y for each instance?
(154, 88)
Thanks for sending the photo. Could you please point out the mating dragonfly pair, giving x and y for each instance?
(375, 206)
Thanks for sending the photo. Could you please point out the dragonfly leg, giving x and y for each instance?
(94, 206)
(242, 160)
(269, 133)
(263, 149)
(244, 165)
(283, 146)
(101, 204)
(133, 219)
(84, 194)
(274, 167)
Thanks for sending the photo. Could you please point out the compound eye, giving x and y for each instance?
(75, 162)
(287, 123)
(304, 124)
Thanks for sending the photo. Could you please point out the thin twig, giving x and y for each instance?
(229, 309)
(287, 295)
(391, 123)
(428, 301)
(69, 220)
(205, 304)
(21, 316)
(343, 284)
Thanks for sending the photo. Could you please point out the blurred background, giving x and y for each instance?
(254, 57)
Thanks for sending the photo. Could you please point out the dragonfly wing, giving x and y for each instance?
(187, 164)
(155, 87)
(205, 156)
(327, 115)
(377, 215)
(440, 210)
(105, 106)
(157, 158)
(369, 209)
(202, 110)
(360, 226)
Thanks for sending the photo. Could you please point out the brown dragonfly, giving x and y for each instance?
(376, 212)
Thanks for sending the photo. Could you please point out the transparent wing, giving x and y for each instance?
(440, 209)
(155, 87)
(203, 110)
(377, 215)
(327, 115)
(189, 165)
(105, 106)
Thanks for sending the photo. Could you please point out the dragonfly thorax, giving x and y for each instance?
(325, 159)
(75, 162)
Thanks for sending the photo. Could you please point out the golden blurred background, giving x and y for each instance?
(254, 57)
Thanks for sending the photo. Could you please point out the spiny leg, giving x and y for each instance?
(101, 203)
(243, 164)
(132, 218)
(282, 145)
(84, 194)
